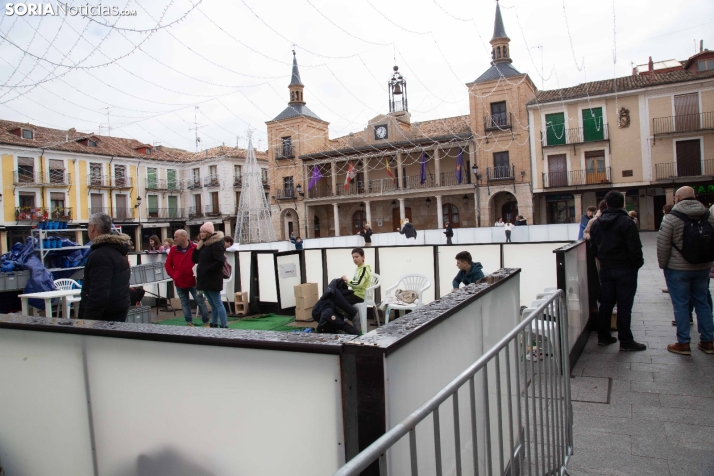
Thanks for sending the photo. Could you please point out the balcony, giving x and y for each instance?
(266, 183)
(161, 184)
(211, 210)
(499, 121)
(449, 179)
(59, 178)
(27, 179)
(109, 181)
(211, 181)
(504, 172)
(285, 194)
(576, 135)
(575, 178)
(193, 183)
(118, 214)
(157, 214)
(414, 182)
(194, 212)
(672, 170)
(31, 213)
(238, 181)
(61, 213)
(284, 152)
(683, 123)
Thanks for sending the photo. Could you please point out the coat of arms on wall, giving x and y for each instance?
(623, 117)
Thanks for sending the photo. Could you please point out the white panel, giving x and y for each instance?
(434, 237)
(244, 262)
(313, 268)
(43, 407)
(498, 234)
(287, 285)
(482, 235)
(539, 232)
(520, 234)
(576, 279)
(395, 262)
(339, 263)
(488, 255)
(538, 267)
(558, 233)
(132, 259)
(266, 278)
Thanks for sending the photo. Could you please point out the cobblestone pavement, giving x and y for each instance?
(659, 415)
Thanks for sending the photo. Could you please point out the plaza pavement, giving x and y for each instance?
(644, 413)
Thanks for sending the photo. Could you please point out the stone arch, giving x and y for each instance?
(503, 205)
(289, 221)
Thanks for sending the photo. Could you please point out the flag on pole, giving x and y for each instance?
(316, 175)
(351, 174)
(422, 172)
(389, 170)
(459, 166)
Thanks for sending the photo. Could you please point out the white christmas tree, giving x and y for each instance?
(253, 222)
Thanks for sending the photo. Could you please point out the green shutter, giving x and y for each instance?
(153, 203)
(593, 128)
(173, 207)
(555, 128)
(171, 179)
(151, 178)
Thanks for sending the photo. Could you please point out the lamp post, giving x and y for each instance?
(477, 176)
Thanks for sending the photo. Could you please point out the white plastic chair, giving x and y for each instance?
(65, 284)
(413, 282)
(368, 302)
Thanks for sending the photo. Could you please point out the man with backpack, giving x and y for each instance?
(616, 243)
(685, 251)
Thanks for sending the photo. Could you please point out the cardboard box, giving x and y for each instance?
(306, 302)
(241, 297)
(305, 290)
(303, 314)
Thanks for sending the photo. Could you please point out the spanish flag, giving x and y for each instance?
(389, 170)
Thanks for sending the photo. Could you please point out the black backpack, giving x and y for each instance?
(697, 238)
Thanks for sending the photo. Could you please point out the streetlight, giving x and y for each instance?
(299, 190)
(428, 202)
(478, 177)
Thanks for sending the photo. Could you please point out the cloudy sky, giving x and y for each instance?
(144, 75)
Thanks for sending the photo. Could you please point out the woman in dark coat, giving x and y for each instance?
(210, 255)
(366, 233)
(449, 233)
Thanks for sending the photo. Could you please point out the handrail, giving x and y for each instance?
(377, 450)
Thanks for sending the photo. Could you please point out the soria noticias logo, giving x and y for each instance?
(63, 9)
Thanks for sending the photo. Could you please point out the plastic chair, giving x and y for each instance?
(368, 302)
(65, 284)
(414, 282)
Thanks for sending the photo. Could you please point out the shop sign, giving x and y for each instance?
(707, 188)
(561, 196)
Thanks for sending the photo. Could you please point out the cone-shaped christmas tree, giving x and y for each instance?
(253, 222)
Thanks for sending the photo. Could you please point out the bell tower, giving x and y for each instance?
(296, 87)
(397, 87)
(500, 52)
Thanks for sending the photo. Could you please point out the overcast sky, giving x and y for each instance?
(232, 59)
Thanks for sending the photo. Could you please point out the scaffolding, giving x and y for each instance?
(253, 221)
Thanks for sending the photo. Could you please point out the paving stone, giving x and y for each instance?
(704, 467)
(616, 425)
(671, 414)
(589, 389)
(684, 401)
(621, 374)
(604, 463)
(611, 410)
(667, 368)
(688, 432)
(586, 439)
(658, 446)
(673, 388)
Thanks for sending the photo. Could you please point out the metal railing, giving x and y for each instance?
(195, 212)
(237, 180)
(61, 213)
(284, 152)
(529, 365)
(501, 120)
(31, 213)
(109, 181)
(117, 213)
(383, 185)
(211, 210)
(54, 178)
(161, 184)
(164, 213)
(211, 181)
(414, 181)
(285, 193)
(27, 178)
(576, 135)
(692, 169)
(576, 177)
(502, 172)
(59, 178)
(448, 179)
(193, 183)
(683, 123)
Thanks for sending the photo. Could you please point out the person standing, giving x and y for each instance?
(179, 266)
(616, 243)
(508, 227)
(105, 290)
(409, 232)
(600, 208)
(521, 221)
(210, 256)
(228, 241)
(154, 244)
(449, 233)
(366, 233)
(500, 222)
(298, 243)
(469, 272)
(585, 220)
(683, 244)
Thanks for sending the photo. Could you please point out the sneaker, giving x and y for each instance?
(606, 340)
(632, 346)
(206, 324)
(213, 325)
(706, 347)
(189, 324)
(680, 348)
(224, 327)
(691, 321)
(665, 290)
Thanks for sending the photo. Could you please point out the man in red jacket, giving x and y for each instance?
(180, 267)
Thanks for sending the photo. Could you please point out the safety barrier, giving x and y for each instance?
(526, 377)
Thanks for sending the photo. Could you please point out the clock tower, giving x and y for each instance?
(397, 87)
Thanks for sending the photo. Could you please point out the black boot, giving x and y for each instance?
(214, 325)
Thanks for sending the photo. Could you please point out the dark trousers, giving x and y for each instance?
(448, 240)
(618, 285)
(353, 298)
(508, 236)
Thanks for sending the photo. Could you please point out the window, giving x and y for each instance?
(197, 205)
(287, 147)
(213, 174)
(237, 170)
(196, 177)
(96, 203)
(120, 175)
(593, 126)
(28, 134)
(92, 143)
(264, 176)
(498, 52)
(705, 65)
(359, 220)
(171, 179)
(501, 165)
(214, 208)
(25, 170)
(451, 214)
(288, 191)
(27, 200)
(57, 207)
(505, 52)
(95, 174)
(555, 128)
(173, 207)
(686, 111)
(153, 206)
(316, 225)
(595, 167)
(151, 178)
(57, 171)
(148, 151)
(499, 117)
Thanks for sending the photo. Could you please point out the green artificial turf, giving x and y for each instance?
(266, 322)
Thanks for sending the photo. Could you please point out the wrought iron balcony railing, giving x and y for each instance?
(211, 181)
(109, 181)
(165, 213)
(117, 213)
(237, 180)
(501, 120)
(193, 183)
(54, 178)
(27, 178)
(672, 170)
(194, 212)
(576, 135)
(59, 178)
(577, 177)
(683, 123)
(211, 210)
(31, 213)
(161, 184)
(286, 194)
(284, 152)
(502, 172)
(61, 213)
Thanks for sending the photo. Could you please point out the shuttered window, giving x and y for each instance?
(689, 158)
(686, 110)
(171, 179)
(557, 171)
(593, 126)
(57, 171)
(151, 178)
(25, 170)
(57, 204)
(555, 128)
(153, 205)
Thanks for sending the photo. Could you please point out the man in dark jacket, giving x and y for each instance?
(584, 220)
(325, 312)
(616, 243)
(409, 232)
(105, 290)
(469, 272)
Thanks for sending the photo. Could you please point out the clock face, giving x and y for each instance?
(380, 132)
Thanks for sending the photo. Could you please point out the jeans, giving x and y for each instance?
(183, 294)
(508, 236)
(618, 285)
(214, 299)
(685, 287)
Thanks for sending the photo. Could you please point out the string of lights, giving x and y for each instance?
(153, 29)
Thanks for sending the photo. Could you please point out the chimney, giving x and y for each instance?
(651, 66)
(701, 45)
